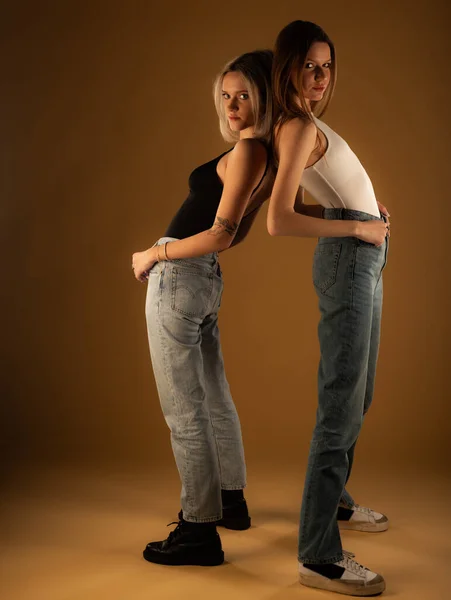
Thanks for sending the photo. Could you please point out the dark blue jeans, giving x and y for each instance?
(347, 275)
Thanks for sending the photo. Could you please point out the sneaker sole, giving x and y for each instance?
(366, 527)
(204, 561)
(349, 589)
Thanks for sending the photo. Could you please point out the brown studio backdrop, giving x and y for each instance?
(107, 107)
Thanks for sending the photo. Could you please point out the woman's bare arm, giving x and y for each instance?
(310, 210)
(245, 226)
(245, 167)
(296, 141)
(316, 210)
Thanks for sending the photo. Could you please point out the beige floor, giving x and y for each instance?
(79, 535)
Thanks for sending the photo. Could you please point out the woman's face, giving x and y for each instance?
(237, 102)
(315, 76)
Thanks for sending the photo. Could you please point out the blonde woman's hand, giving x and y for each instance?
(142, 262)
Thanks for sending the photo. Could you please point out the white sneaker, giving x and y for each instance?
(344, 577)
(360, 518)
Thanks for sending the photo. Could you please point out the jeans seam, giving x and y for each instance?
(172, 390)
(308, 496)
(347, 298)
(216, 444)
(354, 261)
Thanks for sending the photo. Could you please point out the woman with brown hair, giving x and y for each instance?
(183, 298)
(347, 275)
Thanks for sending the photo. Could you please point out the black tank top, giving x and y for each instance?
(198, 211)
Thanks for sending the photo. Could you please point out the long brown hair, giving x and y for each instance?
(290, 55)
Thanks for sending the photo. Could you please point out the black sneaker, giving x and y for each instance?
(235, 516)
(186, 546)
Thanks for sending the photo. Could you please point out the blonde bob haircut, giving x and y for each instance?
(255, 68)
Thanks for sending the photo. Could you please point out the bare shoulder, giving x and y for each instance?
(250, 151)
(297, 131)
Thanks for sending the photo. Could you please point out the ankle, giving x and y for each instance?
(231, 497)
(201, 529)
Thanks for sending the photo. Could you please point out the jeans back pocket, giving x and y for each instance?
(191, 292)
(325, 266)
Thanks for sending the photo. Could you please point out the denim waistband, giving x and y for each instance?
(207, 261)
(347, 214)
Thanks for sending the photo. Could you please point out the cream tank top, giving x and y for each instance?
(338, 179)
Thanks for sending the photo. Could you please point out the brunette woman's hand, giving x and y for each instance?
(142, 262)
(384, 211)
(373, 232)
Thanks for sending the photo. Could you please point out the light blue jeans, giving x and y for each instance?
(183, 299)
(347, 275)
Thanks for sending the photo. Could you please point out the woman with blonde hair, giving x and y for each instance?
(347, 275)
(183, 298)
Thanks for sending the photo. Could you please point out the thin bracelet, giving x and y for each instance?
(158, 253)
(165, 254)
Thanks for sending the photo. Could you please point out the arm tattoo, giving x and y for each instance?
(221, 225)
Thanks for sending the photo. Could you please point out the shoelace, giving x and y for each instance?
(352, 565)
(176, 531)
(363, 509)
